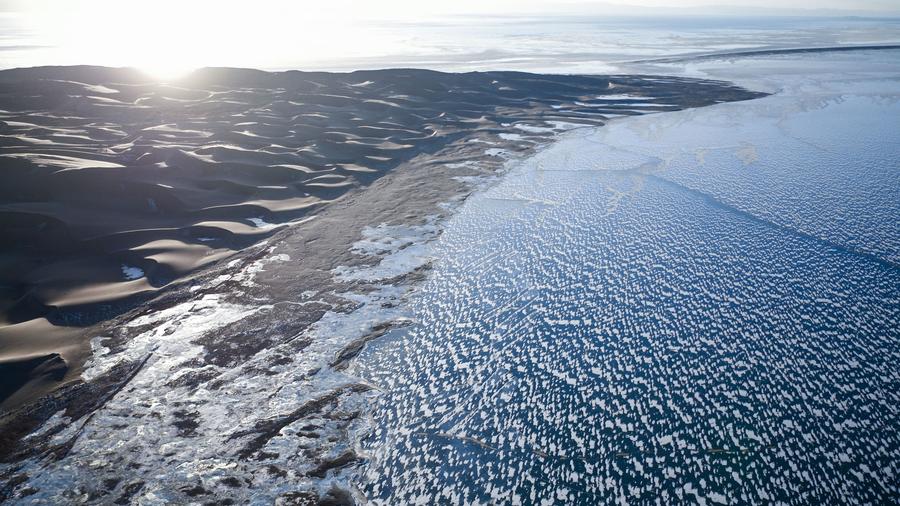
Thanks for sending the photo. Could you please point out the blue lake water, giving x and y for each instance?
(697, 306)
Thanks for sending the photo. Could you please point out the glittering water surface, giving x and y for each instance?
(699, 306)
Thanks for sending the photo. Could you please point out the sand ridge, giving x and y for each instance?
(98, 163)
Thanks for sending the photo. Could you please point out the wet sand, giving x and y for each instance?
(122, 199)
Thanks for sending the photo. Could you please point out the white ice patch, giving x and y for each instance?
(622, 96)
(244, 277)
(386, 239)
(130, 272)
(533, 129)
(717, 498)
(398, 264)
(260, 223)
(170, 338)
(511, 137)
(403, 248)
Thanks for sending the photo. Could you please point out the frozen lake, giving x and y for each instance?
(700, 305)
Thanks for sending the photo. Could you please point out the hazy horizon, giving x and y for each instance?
(169, 38)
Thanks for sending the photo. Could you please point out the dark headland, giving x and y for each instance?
(121, 197)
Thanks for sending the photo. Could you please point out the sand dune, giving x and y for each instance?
(97, 162)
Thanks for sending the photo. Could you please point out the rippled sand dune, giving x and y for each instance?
(113, 187)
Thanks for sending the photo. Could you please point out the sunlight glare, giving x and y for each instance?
(170, 38)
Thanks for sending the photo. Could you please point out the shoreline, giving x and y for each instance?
(767, 52)
(615, 307)
(267, 317)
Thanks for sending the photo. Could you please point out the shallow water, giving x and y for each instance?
(700, 305)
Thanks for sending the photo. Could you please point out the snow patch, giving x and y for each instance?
(131, 273)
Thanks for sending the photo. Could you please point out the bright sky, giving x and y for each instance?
(172, 36)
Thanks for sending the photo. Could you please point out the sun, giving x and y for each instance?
(164, 39)
(167, 71)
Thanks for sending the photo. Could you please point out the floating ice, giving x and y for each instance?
(617, 322)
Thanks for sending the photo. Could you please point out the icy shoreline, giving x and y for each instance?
(232, 384)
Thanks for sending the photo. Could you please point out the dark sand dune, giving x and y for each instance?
(97, 162)
(113, 187)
